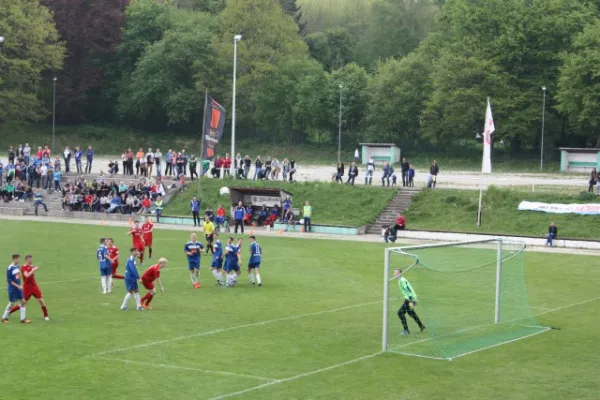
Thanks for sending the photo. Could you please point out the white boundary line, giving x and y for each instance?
(295, 377)
(500, 344)
(231, 328)
(205, 371)
(567, 306)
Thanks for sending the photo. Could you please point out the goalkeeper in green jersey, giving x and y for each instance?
(410, 300)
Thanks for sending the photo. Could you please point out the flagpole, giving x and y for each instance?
(485, 138)
(480, 198)
(202, 141)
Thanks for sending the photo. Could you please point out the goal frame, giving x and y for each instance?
(405, 251)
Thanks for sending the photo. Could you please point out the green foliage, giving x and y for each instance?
(579, 82)
(456, 211)
(31, 46)
(332, 48)
(333, 204)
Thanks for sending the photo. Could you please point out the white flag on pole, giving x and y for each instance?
(486, 166)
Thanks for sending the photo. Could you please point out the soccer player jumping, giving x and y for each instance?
(410, 301)
(30, 287)
(15, 291)
(152, 274)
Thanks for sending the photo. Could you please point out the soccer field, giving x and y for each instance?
(313, 331)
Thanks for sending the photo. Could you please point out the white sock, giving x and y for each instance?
(103, 281)
(22, 311)
(127, 297)
(137, 300)
(215, 274)
(258, 278)
(7, 311)
(198, 277)
(109, 283)
(251, 277)
(192, 277)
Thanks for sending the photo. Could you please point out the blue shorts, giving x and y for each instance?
(106, 271)
(131, 285)
(217, 263)
(253, 265)
(15, 295)
(192, 265)
(233, 266)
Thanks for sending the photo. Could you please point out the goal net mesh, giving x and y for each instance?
(456, 289)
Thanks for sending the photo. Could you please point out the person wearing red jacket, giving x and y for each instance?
(400, 222)
(226, 164)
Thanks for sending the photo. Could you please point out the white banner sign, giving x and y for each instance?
(268, 201)
(556, 208)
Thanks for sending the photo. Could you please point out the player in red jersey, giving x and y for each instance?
(30, 287)
(152, 274)
(138, 240)
(147, 228)
(113, 257)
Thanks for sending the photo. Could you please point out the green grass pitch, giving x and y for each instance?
(313, 331)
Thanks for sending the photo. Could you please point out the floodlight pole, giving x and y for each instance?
(543, 126)
(236, 39)
(498, 282)
(386, 290)
(340, 126)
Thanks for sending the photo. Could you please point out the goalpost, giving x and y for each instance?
(470, 296)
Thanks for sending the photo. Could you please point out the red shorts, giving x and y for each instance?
(114, 267)
(148, 284)
(139, 247)
(148, 242)
(34, 291)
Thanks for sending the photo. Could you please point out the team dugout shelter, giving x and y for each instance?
(381, 152)
(258, 197)
(578, 159)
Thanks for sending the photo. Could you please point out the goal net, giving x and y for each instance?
(470, 296)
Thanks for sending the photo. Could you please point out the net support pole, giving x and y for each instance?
(386, 287)
(498, 282)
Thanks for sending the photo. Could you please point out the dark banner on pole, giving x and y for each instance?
(214, 121)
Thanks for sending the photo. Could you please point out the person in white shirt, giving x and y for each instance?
(44, 175)
(26, 153)
(370, 170)
(67, 158)
(157, 160)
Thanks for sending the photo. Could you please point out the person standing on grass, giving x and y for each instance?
(405, 166)
(132, 276)
(195, 206)
(16, 301)
(552, 233)
(254, 261)
(192, 249)
(292, 169)
(307, 214)
(238, 214)
(30, 287)
(410, 301)
(593, 180)
(193, 165)
(340, 172)
(209, 229)
(257, 168)
(104, 265)
(370, 171)
(387, 174)
(352, 174)
(434, 170)
(89, 155)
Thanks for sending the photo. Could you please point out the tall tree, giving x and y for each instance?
(269, 36)
(92, 31)
(579, 84)
(332, 48)
(31, 46)
(162, 91)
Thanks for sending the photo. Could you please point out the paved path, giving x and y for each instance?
(296, 235)
(446, 179)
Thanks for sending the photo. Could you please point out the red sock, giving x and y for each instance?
(45, 311)
(117, 276)
(143, 300)
(150, 297)
(15, 308)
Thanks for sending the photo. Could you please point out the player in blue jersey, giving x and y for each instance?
(254, 261)
(105, 268)
(217, 261)
(132, 276)
(16, 300)
(232, 263)
(192, 250)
